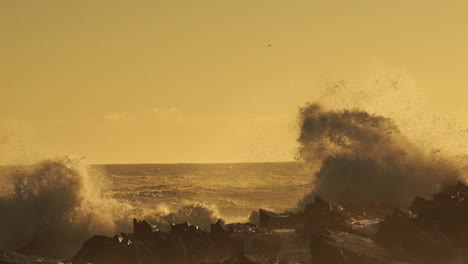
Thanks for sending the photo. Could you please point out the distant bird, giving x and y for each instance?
(269, 45)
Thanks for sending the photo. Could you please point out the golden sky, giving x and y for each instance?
(206, 81)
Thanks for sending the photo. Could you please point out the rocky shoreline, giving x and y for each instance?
(428, 231)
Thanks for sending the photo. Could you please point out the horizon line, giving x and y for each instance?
(201, 163)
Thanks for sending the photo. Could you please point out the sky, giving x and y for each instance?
(206, 81)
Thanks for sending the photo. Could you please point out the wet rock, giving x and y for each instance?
(276, 221)
(159, 247)
(324, 215)
(219, 228)
(458, 187)
(16, 258)
(420, 204)
(227, 240)
(265, 244)
(142, 229)
(246, 228)
(247, 259)
(103, 250)
(183, 228)
(335, 247)
(196, 241)
(436, 234)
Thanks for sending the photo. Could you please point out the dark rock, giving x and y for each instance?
(183, 228)
(420, 204)
(142, 229)
(324, 215)
(334, 247)
(265, 244)
(16, 258)
(103, 250)
(276, 221)
(246, 259)
(219, 228)
(159, 247)
(246, 228)
(196, 240)
(458, 187)
(437, 234)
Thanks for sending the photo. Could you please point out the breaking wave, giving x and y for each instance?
(55, 205)
(364, 157)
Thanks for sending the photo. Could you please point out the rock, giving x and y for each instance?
(246, 259)
(159, 247)
(458, 187)
(183, 228)
(265, 244)
(420, 204)
(395, 228)
(430, 232)
(195, 240)
(16, 258)
(106, 250)
(324, 215)
(219, 228)
(436, 234)
(142, 229)
(276, 221)
(335, 247)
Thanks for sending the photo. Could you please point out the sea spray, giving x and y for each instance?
(373, 144)
(55, 205)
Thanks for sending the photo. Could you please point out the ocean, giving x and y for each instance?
(235, 189)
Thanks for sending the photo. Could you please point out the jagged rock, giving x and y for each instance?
(458, 187)
(159, 247)
(420, 204)
(227, 241)
(142, 229)
(265, 244)
(183, 228)
(335, 247)
(16, 258)
(103, 250)
(219, 228)
(195, 240)
(431, 232)
(437, 234)
(246, 228)
(277, 221)
(324, 215)
(246, 259)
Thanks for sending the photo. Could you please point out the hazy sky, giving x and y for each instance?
(206, 81)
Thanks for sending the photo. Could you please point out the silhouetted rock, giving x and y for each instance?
(274, 220)
(196, 241)
(437, 233)
(335, 247)
(159, 247)
(183, 228)
(16, 258)
(142, 229)
(247, 259)
(420, 204)
(430, 232)
(324, 215)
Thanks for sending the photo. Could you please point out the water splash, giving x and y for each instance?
(371, 142)
(53, 206)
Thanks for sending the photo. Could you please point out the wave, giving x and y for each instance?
(363, 157)
(55, 205)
